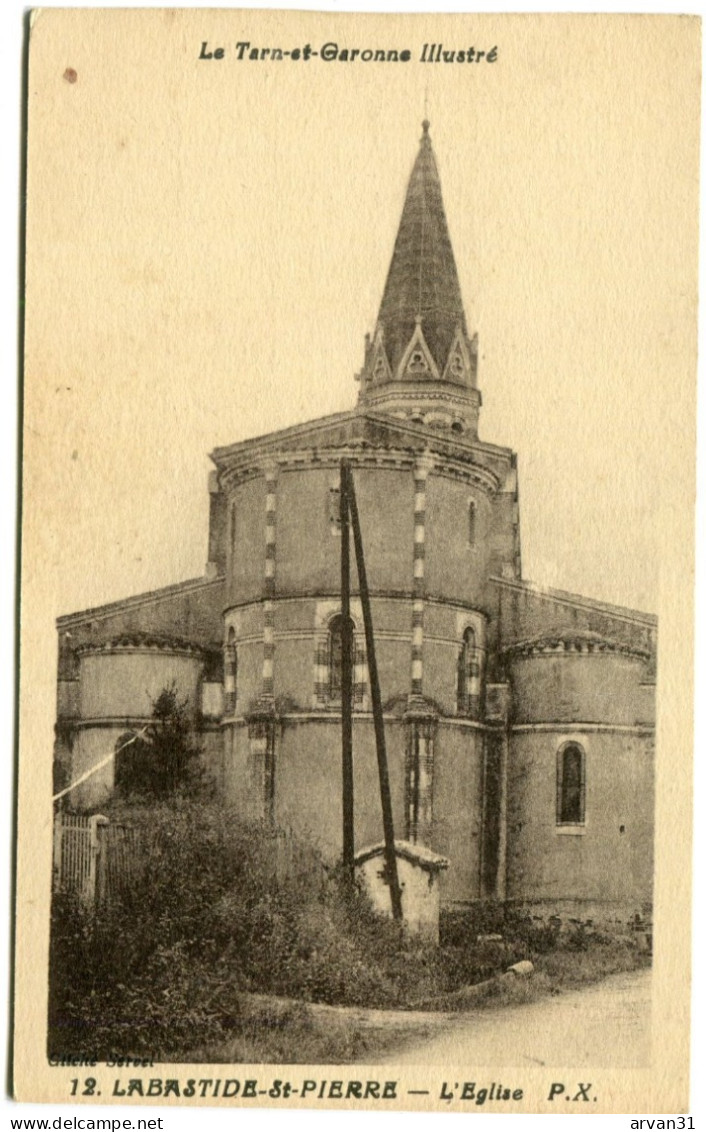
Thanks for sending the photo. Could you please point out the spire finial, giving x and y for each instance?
(425, 126)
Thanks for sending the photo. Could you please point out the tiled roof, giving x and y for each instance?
(419, 855)
(422, 281)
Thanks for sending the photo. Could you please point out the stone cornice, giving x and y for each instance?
(363, 455)
(140, 643)
(332, 437)
(430, 390)
(572, 642)
(405, 596)
(563, 727)
(127, 722)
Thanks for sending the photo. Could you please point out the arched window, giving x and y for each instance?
(571, 785)
(334, 509)
(230, 689)
(471, 524)
(468, 676)
(335, 657)
(328, 656)
(417, 363)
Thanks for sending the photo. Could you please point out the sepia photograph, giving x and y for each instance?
(357, 560)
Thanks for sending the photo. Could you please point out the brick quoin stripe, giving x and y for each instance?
(268, 630)
(230, 674)
(321, 672)
(420, 505)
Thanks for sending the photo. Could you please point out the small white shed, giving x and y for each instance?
(418, 869)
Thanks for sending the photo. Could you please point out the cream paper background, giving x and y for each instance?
(206, 246)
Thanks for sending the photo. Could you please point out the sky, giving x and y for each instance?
(212, 240)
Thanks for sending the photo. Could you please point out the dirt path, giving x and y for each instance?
(603, 1025)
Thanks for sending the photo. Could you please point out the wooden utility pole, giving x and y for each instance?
(346, 678)
(385, 798)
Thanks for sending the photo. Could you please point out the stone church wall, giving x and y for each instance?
(308, 791)
(246, 542)
(595, 702)
(306, 794)
(307, 547)
(502, 550)
(455, 566)
(458, 809)
(600, 687)
(125, 682)
(115, 690)
(610, 857)
(386, 508)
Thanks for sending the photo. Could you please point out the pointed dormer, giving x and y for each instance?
(421, 363)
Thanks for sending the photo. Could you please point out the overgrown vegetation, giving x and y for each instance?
(209, 915)
(208, 918)
(218, 940)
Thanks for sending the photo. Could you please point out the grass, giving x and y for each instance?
(570, 970)
(278, 1031)
(304, 1035)
(298, 1033)
(559, 971)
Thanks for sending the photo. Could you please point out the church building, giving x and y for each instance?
(519, 719)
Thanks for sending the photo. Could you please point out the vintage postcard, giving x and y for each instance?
(357, 561)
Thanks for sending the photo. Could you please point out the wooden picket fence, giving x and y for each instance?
(95, 859)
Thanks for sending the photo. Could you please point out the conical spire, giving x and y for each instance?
(422, 283)
(420, 362)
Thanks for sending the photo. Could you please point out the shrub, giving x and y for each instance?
(537, 937)
(461, 928)
(164, 759)
(202, 916)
